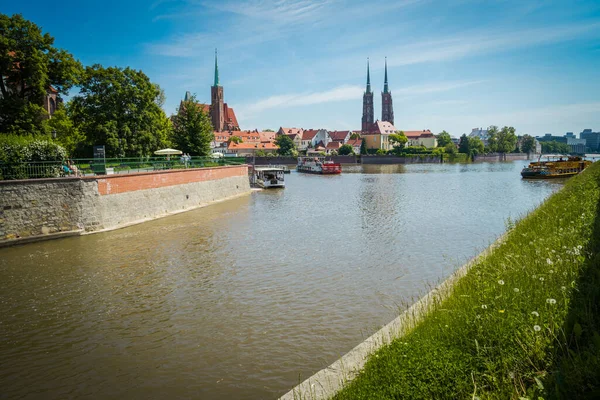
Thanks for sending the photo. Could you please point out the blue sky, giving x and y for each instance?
(452, 65)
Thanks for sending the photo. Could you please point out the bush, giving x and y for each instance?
(19, 155)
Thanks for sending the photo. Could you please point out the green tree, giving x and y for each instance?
(398, 140)
(355, 136)
(492, 138)
(528, 144)
(555, 147)
(268, 130)
(61, 127)
(29, 66)
(475, 146)
(506, 140)
(443, 139)
(345, 150)
(118, 108)
(192, 129)
(463, 144)
(450, 148)
(363, 146)
(285, 145)
(235, 139)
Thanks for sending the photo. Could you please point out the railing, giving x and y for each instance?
(90, 167)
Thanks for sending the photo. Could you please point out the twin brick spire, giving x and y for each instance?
(387, 108)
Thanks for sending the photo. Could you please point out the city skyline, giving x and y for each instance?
(299, 63)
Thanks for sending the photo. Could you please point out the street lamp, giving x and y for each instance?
(53, 133)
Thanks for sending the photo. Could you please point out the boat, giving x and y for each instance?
(269, 177)
(318, 165)
(556, 166)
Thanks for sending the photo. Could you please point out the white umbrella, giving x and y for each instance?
(216, 155)
(167, 152)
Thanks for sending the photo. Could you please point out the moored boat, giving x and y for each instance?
(556, 166)
(269, 177)
(318, 165)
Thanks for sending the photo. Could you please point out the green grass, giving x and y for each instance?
(524, 323)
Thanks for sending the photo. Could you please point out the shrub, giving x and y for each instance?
(24, 157)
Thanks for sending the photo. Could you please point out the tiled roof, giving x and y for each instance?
(267, 136)
(229, 116)
(334, 145)
(250, 146)
(309, 134)
(354, 142)
(339, 135)
(295, 131)
(383, 127)
(417, 134)
(292, 135)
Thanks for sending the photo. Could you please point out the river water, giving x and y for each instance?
(243, 299)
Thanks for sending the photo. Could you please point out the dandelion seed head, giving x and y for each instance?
(535, 313)
(551, 301)
(549, 261)
(537, 328)
(516, 290)
(501, 282)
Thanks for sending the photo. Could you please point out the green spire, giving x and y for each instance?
(216, 70)
(368, 77)
(385, 83)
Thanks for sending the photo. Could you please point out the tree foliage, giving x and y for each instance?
(30, 66)
(502, 140)
(345, 150)
(355, 136)
(470, 145)
(528, 144)
(192, 129)
(235, 139)
(285, 145)
(443, 139)
(65, 133)
(363, 146)
(555, 147)
(398, 140)
(118, 108)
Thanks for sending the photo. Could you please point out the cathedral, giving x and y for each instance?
(222, 117)
(387, 108)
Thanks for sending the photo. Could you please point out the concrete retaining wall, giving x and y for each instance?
(40, 207)
(327, 382)
(501, 157)
(412, 159)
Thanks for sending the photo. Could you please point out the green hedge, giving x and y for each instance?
(524, 323)
(22, 157)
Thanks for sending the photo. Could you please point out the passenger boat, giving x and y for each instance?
(269, 177)
(556, 166)
(318, 165)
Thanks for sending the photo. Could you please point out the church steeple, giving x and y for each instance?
(368, 114)
(216, 70)
(387, 107)
(385, 83)
(368, 77)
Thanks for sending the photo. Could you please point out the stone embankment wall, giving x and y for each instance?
(41, 207)
(500, 157)
(294, 160)
(412, 159)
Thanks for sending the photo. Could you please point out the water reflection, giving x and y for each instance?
(237, 299)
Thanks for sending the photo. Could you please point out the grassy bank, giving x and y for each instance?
(523, 323)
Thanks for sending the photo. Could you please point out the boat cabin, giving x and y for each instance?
(269, 177)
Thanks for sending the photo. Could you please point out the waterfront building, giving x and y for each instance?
(340, 136)
(355, 143)
(481, 133)
(332, 146)
(421, 138)
(308, 139)
(548, 137)
(387, 108)
(592, 140)
(378, 138)
(221, 115)
(250, 149)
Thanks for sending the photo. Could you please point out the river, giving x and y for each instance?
(245, 298)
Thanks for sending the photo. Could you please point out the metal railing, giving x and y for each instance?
(90, 166)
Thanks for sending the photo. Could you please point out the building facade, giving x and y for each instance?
(592, 140)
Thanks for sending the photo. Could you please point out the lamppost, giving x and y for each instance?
(53, 133)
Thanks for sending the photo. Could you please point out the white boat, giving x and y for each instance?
(318, 165)
(269, 177)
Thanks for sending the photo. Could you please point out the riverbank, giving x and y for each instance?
(523, 322)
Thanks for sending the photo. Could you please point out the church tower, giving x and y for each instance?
(216, 101)
(367, 117)
(387, 108)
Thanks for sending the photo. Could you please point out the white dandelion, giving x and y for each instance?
(501, 282)
(535, 313)
(549, 261)
(537, 328)
(516, 290)
(551, 301)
